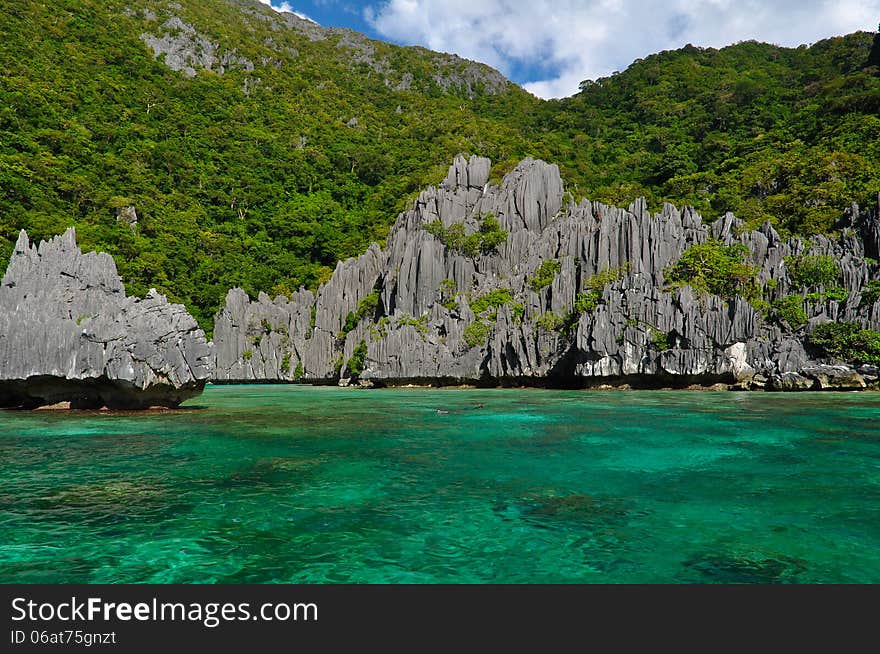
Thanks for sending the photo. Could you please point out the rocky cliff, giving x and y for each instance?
(68, 333)
(487, 283)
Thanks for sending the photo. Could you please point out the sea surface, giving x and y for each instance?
(298, 484)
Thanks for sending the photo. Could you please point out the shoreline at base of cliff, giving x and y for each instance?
(573, 384)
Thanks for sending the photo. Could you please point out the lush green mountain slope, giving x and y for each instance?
(277, 147)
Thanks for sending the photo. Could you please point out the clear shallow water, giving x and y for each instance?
(299, 484)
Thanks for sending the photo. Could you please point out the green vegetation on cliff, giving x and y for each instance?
(790, 309)
(358, 359)
(847, 341)
(366, 308)
(545, 274)
(486, 239)
(298, 146)
(812, 270)
(587, 301)
(717, 269)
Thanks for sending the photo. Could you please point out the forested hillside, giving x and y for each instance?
(256, 150)
(789, 135)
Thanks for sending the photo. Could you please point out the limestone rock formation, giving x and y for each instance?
(69, 333)
(790, 381)
(187, 51)
(127, 215)
(435, 305)
(835, 377)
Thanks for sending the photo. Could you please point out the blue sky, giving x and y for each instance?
(550, 46)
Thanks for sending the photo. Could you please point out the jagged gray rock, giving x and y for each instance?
(423, 326)
(790, 381)
(68, 333)
(127, 215)
(869, 373)
(835, 377)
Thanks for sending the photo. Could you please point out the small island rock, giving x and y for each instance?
(69, 334)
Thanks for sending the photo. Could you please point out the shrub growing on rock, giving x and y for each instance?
(551, 322)
(358, 358)
(545, 274)
(791, 310)
(847, 341)
(494, 299)
(870, 294)
(806, 270)
(716, 269)
(487, 239)
(366, 307)
(476, 333)
(660, 340)
(587, 301)
(448, 292)
(492, 235)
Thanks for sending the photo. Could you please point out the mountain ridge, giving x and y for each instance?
(470, 79)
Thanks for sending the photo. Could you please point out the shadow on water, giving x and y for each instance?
(72, 569)
(106, 505)
(276, 471)
(749, 567)
(572, 511)
(63, 413)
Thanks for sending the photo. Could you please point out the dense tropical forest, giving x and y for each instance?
(292, 146)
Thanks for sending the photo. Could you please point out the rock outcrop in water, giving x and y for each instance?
(432, 307)
(68, 333)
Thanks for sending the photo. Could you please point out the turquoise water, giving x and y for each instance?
(299, 484)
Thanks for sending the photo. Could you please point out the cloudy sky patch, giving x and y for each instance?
(286, 6)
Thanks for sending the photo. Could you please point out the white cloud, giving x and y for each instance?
(562, 42)
(286, 6)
